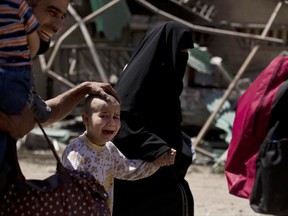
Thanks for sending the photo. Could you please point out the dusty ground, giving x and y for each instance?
(209, 190)
(211, 194)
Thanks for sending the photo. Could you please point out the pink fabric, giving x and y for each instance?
(250, 127)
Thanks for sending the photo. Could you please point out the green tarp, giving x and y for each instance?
(199, 59)
(111, 21)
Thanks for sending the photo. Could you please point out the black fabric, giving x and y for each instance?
(150, 87)
(270, 191)
(44, 46)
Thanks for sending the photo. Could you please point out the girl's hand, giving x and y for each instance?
(166, 159)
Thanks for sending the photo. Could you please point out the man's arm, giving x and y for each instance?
(19, 125)
(64, 103)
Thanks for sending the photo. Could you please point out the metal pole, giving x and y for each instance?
(89, 43)
(53, 74)
(73, 28)
(208, 29)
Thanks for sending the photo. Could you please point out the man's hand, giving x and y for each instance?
(103, 90)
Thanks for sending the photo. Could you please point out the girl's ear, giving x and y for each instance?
(85, 118)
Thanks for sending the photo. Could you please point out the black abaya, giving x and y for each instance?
(150, 87)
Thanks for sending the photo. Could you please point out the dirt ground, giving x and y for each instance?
(209, 190)
(211, 195)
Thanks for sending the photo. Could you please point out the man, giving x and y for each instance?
(50, 14)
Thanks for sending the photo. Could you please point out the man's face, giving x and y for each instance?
(50, 14)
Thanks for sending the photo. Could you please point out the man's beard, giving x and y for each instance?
(44, 46)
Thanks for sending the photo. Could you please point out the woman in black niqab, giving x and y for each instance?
(150, 87)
